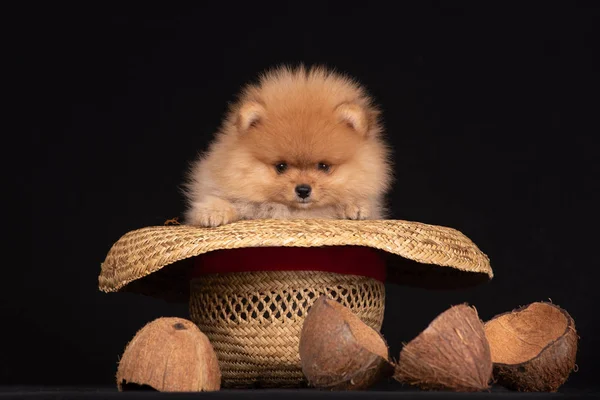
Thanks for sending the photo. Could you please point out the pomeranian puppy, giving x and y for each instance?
(303, 143)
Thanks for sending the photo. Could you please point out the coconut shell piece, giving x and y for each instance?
(451, 354)
(533, 347)
(338, 351)
(169, 355)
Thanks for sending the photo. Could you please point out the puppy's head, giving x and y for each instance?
(304, 139)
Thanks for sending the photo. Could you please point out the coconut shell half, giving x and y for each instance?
(338, 351)
(452, 354)
(169, 355)
(533, 348)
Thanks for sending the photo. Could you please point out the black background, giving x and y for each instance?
(492, 113)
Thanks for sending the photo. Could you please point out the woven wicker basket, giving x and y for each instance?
(253, 319)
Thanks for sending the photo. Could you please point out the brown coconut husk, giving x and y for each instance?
(169, 355)
(338, 351)
(451, 354)
(533, 347)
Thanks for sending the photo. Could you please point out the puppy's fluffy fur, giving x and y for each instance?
(313, 128)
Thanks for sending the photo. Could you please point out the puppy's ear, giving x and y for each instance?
(249, 114)
(354, 116)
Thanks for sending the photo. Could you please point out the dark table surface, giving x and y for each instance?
(78, 392)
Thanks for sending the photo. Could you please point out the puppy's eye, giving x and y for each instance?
(280, 167)
(323, 167)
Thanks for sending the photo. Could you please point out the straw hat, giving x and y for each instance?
(157, 260)
(250, 284)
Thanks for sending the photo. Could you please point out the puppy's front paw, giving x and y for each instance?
(213, 214)
(355, 211)
(212, 218)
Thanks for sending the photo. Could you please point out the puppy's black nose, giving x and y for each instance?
(303, 191)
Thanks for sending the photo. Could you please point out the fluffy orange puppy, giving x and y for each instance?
(299, 143)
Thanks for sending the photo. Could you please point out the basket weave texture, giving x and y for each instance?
(254, 319)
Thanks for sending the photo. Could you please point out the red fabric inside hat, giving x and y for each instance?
(353, 260)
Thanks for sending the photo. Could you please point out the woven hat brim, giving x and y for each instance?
(144, 252)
